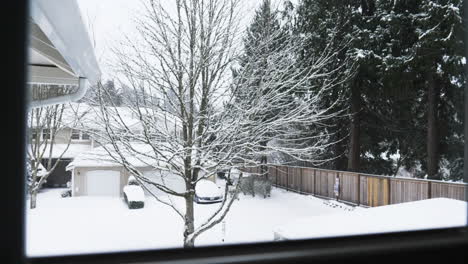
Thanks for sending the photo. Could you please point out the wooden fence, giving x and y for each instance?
(361, 189)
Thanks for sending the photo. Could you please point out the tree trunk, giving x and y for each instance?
(354, 143)
(432, 135)
(340, 148)
(263, 161)
(189, 222)
(32, 201)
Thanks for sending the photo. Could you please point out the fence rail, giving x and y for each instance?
(361, 189)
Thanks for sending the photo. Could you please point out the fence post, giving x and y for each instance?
(315, 182)
(287, 178)
(359, 189)
(301, 174)
(339, 185)
(276, 175)
(429, 190)
(389, 191)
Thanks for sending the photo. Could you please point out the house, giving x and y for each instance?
(61, 67)
(85, 162)
(97, 173)
(75, 135)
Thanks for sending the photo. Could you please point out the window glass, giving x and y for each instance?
(75, 134)
(238, 121)
(84, 136)
(34, 133)
(46, 133)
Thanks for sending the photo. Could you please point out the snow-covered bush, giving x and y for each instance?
(255, 185)
(247, 185)
(262, 186)
(132, 181)
(134, 196)
(233, 192)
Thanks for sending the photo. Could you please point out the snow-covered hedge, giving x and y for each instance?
(132, 181)
(134, 196)
(255, 185)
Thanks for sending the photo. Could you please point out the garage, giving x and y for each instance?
(103, 183)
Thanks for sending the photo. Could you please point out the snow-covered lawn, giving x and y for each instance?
(417, 215)
(98, 224)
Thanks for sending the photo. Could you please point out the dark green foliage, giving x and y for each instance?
(134, 204)
(398, 49)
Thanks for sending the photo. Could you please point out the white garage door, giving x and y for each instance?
(103, 183)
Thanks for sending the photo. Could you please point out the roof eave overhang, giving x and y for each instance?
(67, 56)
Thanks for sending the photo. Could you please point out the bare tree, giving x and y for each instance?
(45, 124)
(192, 117)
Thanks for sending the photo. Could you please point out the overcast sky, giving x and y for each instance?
(109, 20)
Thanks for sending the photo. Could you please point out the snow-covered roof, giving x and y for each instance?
(100, 157)
(72, 151)
(419, 215)
(87, 117)
(90, 117)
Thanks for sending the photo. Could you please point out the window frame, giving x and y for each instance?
(75, 132)
(44, 133)
(81, 135)
(85, 136)
(436, 244)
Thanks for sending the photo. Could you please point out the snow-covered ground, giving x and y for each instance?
(417, 215)
(74, 225)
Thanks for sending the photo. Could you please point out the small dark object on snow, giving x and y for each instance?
(222, 173)
(66, 193)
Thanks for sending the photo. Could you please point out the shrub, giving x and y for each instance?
(262, 186)
(136, 204)
(132, 181)
(247, 185)
(256, 185)
(134, 196)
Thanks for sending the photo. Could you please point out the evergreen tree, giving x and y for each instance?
(438, 63)
(405, 99)
(264, 38)
(113, 95)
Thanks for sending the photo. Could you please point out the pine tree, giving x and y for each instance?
(406, 96)
(113, 95)
(263, 39)
(439, 66)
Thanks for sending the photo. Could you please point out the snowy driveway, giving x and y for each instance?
(98, 224)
